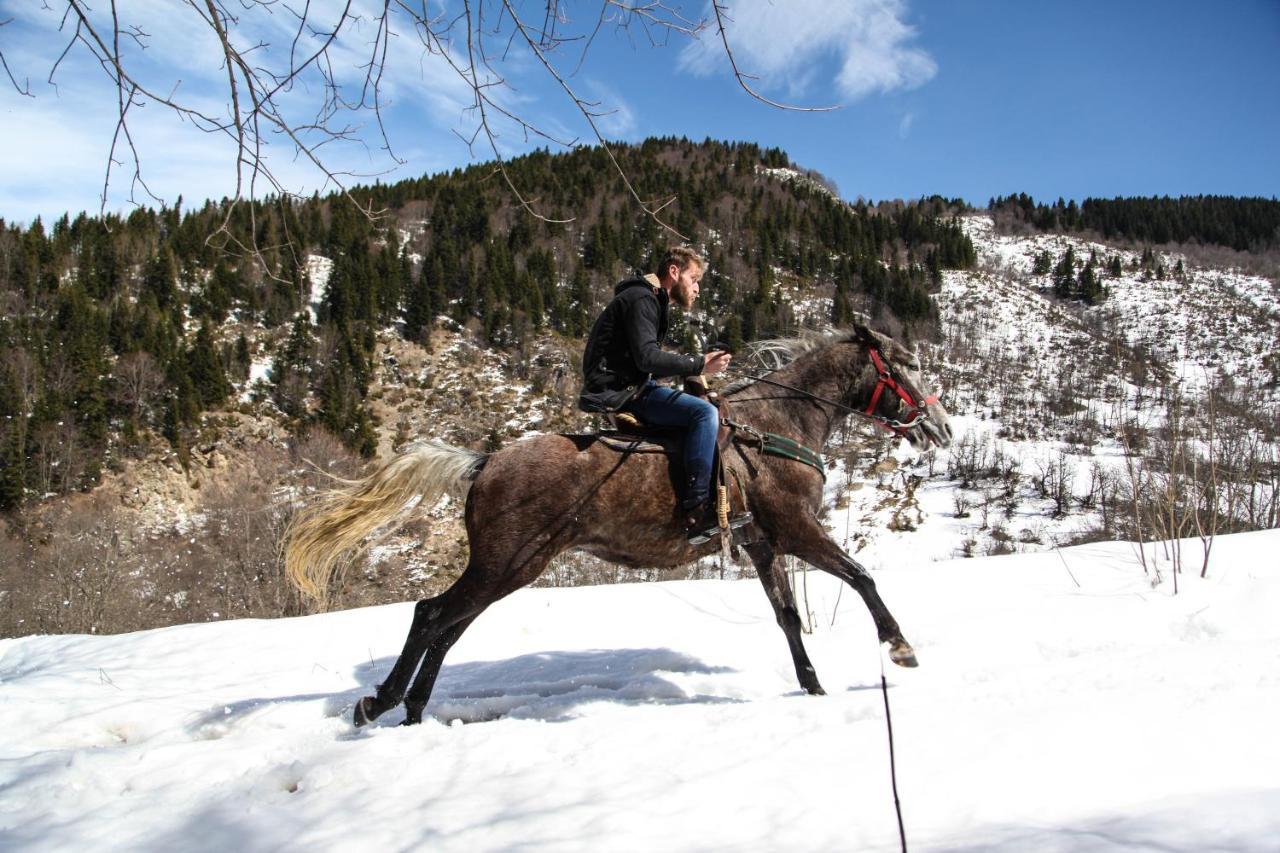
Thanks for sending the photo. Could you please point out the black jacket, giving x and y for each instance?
(623, 350)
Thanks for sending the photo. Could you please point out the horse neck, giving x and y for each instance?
(808, 421)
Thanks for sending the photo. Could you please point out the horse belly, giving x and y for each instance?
(620, 507)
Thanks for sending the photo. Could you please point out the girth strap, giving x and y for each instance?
(780, 445)
(772, 444)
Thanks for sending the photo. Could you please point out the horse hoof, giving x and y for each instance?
(365, 712)
(815, 690)
(901, 653)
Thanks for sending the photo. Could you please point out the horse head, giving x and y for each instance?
(853, 371)
(887, 391)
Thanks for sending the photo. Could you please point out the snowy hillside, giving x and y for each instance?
(1197, 325)
(1064, 701)
(1046, 392)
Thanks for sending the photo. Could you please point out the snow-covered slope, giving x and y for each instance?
(1200, 324)
(1065, 701)
(1045, 390)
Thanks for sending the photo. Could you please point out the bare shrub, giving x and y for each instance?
(72, 572)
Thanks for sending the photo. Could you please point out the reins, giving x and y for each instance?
(904, 390)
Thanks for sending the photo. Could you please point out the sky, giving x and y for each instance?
(964, 98)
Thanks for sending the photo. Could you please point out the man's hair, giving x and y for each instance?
(682, 257)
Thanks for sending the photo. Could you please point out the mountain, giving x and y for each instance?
(123, 331)
(1154, 413)
(170, 401)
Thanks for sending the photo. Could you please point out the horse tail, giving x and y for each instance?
(321, 535)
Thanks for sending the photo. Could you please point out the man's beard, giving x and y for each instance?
(680, 295)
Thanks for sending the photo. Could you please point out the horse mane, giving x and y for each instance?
(775, 353)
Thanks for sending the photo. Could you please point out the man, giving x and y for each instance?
(623, 357)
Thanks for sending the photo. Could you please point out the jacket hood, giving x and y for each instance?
(635, 281)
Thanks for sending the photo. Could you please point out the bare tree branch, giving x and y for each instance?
(721, 15)
(283, 58)
(23, 88)
(584, 108)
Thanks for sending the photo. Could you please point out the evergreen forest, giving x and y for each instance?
(1242, 224)
(118, 332)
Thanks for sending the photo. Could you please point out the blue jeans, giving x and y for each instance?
(661, 406)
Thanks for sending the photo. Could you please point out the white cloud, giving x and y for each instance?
(786, 43)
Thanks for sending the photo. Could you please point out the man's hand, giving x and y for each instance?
(715, 361)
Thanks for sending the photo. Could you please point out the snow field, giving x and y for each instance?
(1064, 702)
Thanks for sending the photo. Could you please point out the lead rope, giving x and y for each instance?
(893, 763)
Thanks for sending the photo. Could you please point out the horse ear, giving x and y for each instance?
(867, 336)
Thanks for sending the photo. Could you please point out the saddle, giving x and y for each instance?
(630, 435)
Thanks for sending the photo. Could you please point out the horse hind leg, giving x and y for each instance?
(435, 620)
(439, 622)
(389, 693)
(416, 700)
(424, 683)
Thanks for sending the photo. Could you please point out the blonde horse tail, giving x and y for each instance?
(321, 536)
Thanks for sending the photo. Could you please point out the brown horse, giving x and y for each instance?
(546, 494)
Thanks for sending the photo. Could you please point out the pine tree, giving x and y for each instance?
(13, 484)
(1043, 263)
(841, 310)
(205, 368)
(731, 335)
(242, 359)
(290, 373)
(419, 310)
(580, 294)
(1064, 274)
(13, 423)
(1089, 288)
(218, 295)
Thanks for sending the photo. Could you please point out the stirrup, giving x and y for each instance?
(700, 536)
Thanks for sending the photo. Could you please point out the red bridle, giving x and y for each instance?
(904, 389)
(905, 392)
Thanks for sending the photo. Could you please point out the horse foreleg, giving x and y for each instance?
(773, 576)
(815, 547)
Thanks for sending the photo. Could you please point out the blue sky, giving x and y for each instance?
(964, 98)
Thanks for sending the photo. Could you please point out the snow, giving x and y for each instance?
(259, 377)
(1201, 323)
(1065, 701)
(319, 268)
(787, 175)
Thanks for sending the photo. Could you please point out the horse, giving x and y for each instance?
(549, 493)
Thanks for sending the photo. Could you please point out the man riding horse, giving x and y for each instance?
(624, 358)
(550, 493)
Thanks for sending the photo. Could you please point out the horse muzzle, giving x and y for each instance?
(929, 427)
(938, 433)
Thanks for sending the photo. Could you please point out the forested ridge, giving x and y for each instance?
(118, 332)
(1243, 224)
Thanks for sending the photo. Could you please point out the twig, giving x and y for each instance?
(719, 7)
